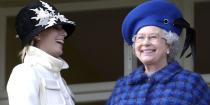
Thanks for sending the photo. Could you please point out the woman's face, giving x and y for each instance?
(51, 40)
(149, 45)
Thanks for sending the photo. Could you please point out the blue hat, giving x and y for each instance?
(159, 13)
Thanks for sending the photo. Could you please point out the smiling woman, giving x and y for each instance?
(152, 49)
(152, 29)
(37, 80)
(51, 40)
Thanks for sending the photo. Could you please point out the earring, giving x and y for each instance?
(167, 52)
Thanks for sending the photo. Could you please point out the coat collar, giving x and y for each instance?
(37, 56)
(163, 75)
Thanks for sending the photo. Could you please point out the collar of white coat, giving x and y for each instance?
(37, 56)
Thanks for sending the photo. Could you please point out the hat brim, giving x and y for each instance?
(68, 27)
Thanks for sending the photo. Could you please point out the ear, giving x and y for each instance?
(37, 38)
(168, 49)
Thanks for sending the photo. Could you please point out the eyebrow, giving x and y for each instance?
(148, 34)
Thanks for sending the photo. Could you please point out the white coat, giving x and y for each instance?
(38, 81)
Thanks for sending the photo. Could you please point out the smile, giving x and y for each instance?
(60, 41)
(147, 51)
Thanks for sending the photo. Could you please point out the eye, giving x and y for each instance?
(57, 27)
(153, 37)
(140, 37)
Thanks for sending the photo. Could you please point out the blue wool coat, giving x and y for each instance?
(171, 85)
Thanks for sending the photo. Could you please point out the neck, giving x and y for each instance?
(152, 68)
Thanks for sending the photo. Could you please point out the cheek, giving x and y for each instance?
(136, 49)
(162, 48)
(48, 42)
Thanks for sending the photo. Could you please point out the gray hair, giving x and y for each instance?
(172, 39)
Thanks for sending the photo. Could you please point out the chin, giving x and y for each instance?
(58, 53)
(147, 61)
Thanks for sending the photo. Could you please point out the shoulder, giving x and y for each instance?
(193, 80)
(125, 80)
(22, 73)
(22, 77)
(23, 69)
(21, 66)
(122, 81)
(200, 88)
(190, 76)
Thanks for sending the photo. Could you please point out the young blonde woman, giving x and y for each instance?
(37, 80)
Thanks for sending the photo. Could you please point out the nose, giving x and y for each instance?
(62, 32)
(146, 41)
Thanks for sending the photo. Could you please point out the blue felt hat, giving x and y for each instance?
(159, 13)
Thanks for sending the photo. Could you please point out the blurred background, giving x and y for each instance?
(96, 52)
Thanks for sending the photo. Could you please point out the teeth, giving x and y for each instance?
(60, 41)
(148, 51)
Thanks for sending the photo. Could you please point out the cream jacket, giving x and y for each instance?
(38, 81)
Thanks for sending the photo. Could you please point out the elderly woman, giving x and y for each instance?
(37, 80)
(153, 29)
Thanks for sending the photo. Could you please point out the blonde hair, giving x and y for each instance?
(22, 53)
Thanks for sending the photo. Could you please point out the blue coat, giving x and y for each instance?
(169, 86)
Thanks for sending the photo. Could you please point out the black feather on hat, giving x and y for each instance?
(38, 16)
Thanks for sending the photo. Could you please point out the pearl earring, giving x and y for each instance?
(167, 52)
